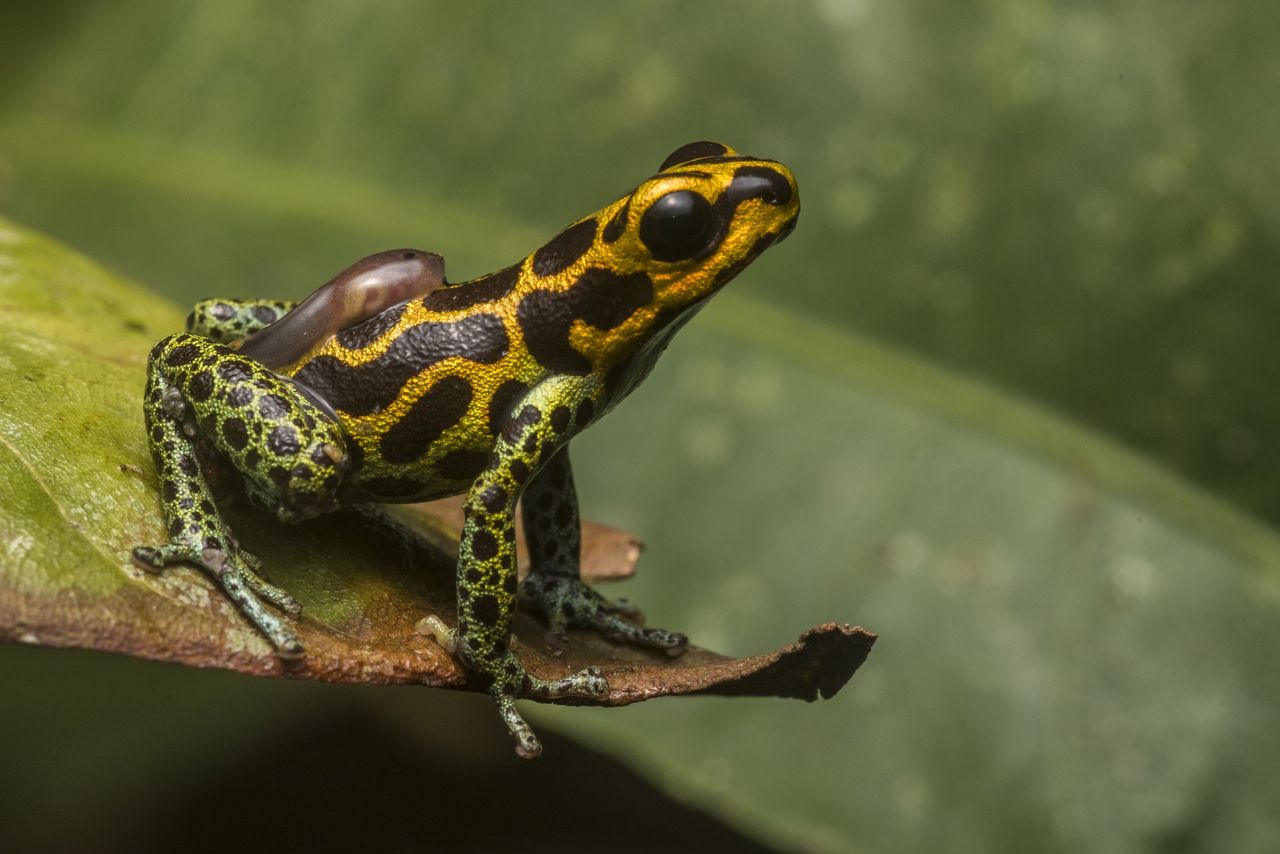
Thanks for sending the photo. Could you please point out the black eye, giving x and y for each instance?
(678, 226)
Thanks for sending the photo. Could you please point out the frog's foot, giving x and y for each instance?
(237, 576)
(511, 680)
(568, 602)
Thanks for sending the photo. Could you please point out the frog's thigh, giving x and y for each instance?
(197, 532)
(232, 319)
(290, 454)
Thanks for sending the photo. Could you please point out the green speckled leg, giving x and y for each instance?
(232, 319)
(487, 582)
(554, 534)
(201, 395)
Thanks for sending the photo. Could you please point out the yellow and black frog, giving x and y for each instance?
(390, 384)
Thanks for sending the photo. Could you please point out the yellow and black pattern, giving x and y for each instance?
(473, 387)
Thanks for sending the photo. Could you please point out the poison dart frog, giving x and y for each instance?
(390, 384)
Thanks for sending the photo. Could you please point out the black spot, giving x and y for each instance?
(565, 248)
(182, 354)
(518, 470)
(213, 543)
(283, 441)
(488, 288)
(273, 407)
(617, 224)
(530, 443)
(280, 475)
(188, 503)
(364, 334)
(264, 314)
(206, 506)
(511, 584)
(582, 417)
(502, 401)
(188, 465)
(760, 182)
(600, 297)
(494, 499)
(252, 457)
(442, 406)
(175, 528)
(318, 455)
(515, 428)
(692, 151)
(222, 311)
(240, 396)
(170, 490)
(560, 419)
(157, 433)
(235, 370)
(509, 535)
(235, 433)
(462, 465)
(486, 610)
(374, 385)
(473, 575)
(484, 545)
(200, 387)
(300, 472)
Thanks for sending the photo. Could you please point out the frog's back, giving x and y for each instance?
(425, 387)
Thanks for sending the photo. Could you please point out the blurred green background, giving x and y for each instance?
(1004, 397)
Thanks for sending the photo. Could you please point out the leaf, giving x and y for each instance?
(80, 492)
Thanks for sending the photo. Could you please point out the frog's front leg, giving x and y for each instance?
(554, 533)
(487, 583)
(201, 394)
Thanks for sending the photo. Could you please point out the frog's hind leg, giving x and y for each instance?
(232, 319)
(291, 455)
(554, 533)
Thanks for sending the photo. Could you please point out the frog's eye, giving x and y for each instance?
(678, 226)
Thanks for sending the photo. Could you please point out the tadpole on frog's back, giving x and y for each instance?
(365, 289)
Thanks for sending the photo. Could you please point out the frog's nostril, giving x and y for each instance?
(761, 182)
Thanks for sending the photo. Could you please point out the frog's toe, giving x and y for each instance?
(588, 682)
(568, 602)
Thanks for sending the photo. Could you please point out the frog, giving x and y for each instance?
(391, 385)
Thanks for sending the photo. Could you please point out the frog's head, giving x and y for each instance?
(644, 263)
(706, 215)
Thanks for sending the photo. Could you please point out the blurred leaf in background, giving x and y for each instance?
(1070, 201)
